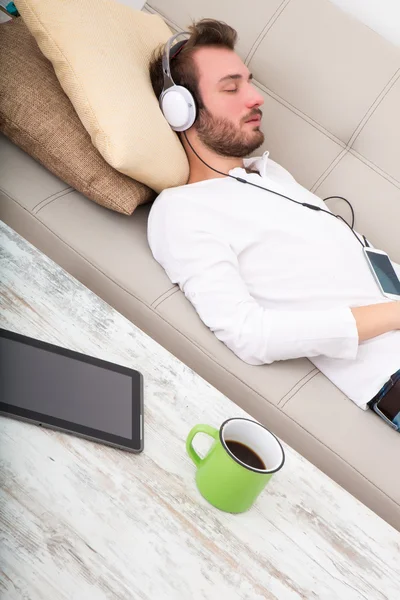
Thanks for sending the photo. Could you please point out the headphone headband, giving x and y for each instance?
(168, 81)
(176, 49)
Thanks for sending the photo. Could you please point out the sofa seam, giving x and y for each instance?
(160, 297)
(308, 376)
(366, 161)
(329, 169)
(349, 146)
(261, 36)
(374, 106)
(273, 406)
(314, 374)
(375, 167)
(30, 210)
(172, 292)
(51, 198)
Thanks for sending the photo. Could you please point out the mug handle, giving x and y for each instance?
(199, 429)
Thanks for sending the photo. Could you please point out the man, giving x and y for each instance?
(272, 279)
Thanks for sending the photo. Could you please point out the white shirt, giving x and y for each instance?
(273, 280)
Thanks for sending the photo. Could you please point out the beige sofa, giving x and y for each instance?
(332, 92)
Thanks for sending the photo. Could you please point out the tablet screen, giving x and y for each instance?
(57, 385)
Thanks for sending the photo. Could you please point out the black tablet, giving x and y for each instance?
(65, 390)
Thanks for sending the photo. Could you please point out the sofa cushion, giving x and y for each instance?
(100, 50)
(36, 115)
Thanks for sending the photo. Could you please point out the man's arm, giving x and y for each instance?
(207, 271)
(376, 319)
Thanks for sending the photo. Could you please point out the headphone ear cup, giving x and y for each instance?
(178, 107)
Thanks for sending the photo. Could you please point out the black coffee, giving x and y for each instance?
(245, 454)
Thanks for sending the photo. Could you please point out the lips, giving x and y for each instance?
(254, 119)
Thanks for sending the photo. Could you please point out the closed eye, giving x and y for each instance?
(231, 91)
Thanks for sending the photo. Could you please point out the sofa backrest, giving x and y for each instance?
(331, 88)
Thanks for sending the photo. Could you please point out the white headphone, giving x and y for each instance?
(176, 102)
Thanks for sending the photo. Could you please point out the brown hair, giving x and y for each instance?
(207, 32)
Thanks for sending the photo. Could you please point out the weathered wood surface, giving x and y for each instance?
(82, 521)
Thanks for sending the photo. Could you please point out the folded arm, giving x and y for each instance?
(207, 271)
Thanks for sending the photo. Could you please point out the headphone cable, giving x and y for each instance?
(310, 206)
(351, 208)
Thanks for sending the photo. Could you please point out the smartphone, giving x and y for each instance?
(384, 273)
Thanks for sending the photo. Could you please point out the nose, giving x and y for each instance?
(254, 98)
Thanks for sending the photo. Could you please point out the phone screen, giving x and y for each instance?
(385, 272)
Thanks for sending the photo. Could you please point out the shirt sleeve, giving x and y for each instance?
(207, 271)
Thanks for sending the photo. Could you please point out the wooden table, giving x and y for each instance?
(82, 521)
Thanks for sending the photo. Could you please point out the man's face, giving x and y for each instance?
(230, 122)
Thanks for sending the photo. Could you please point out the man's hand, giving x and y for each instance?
(376, 319)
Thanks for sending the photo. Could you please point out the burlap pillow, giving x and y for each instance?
(100, 51)
(36, 115)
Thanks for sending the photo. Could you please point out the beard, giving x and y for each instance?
(226, 139)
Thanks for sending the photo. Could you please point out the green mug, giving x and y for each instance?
(238, 465)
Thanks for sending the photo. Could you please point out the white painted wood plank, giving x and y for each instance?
(83, 521)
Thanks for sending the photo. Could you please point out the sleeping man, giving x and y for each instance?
(272, 278)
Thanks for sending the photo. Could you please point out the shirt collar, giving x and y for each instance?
(256, 163)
